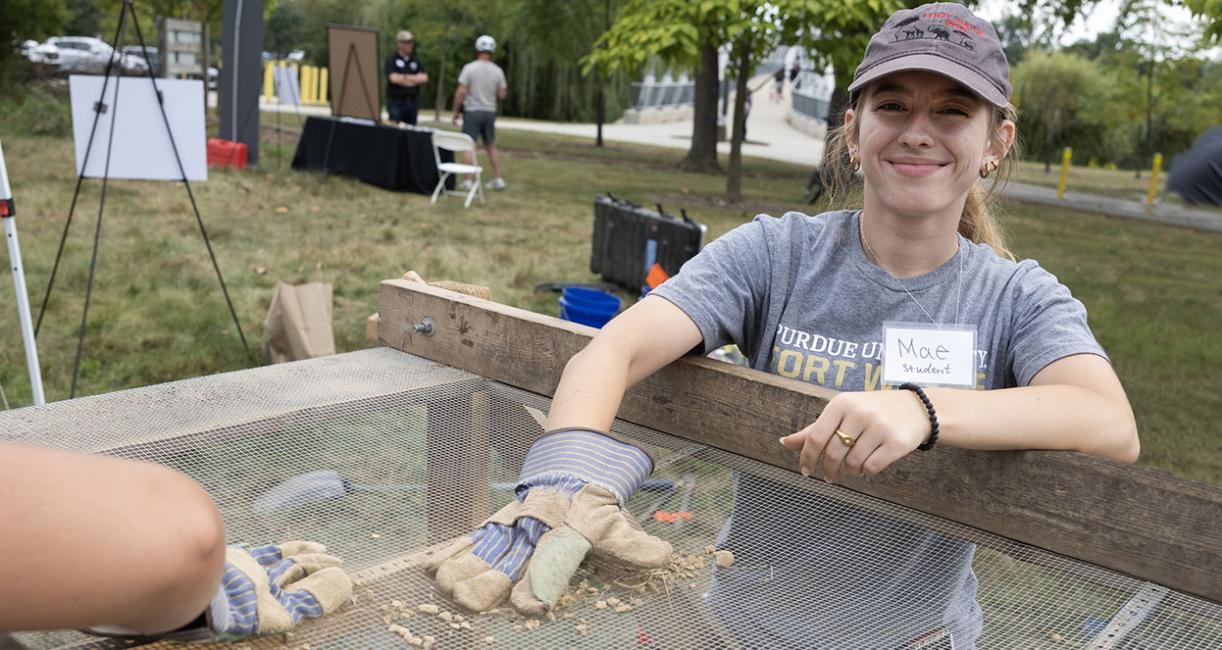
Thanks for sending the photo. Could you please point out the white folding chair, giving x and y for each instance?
(457, 143)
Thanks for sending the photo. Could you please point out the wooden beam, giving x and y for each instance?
(1135, 520)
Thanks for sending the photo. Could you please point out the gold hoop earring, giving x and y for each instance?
(988, 168)
(854, 162)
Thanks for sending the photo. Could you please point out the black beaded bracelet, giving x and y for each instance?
(933, 415)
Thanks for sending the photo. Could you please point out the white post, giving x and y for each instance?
(23, 301)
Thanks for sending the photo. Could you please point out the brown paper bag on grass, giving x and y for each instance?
(298, 322)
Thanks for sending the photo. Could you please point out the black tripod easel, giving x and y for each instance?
(343, 92)
(99, 108)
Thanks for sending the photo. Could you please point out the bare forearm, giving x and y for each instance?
(409, 80)
(103, 541)
(459, 95)
(633, 346)
(590, 389)
(1036, 417)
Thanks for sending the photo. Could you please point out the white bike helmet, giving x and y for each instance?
(485, 43)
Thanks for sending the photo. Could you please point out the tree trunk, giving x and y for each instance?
(1148, 145)
(600, 109)
(1047, 147)
(702, 156)
(439, 104)
(734, 183)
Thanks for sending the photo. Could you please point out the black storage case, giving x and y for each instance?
(621, 232)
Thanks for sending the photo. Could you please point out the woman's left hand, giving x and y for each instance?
(864, 431)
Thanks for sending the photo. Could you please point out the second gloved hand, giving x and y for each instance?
(272, 588)
(264, 590)
(570, 497)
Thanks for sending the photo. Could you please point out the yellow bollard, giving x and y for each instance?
(302, 83)
(269, 85)
(1158, 162)
(1066, 156)
(322, 85)
(307, 84)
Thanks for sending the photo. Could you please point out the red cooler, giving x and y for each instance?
(226, 153)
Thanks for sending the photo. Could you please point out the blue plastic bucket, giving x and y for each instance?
(588, 306)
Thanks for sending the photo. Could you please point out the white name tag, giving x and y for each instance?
(926, 355)
(399, 62)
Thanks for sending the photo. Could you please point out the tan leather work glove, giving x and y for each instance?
(570, 499)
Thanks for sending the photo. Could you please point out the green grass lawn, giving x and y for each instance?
(1154, 293)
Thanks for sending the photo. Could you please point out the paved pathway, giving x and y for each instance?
(1168, 213)
(770, 136)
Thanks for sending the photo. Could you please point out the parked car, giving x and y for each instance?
(89, 55)
(81, 54)
(136, 52)
(214, 76)
(37, 52)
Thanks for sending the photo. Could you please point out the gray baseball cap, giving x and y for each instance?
(943, 38)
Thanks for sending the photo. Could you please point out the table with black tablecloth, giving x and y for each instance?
(388, 157)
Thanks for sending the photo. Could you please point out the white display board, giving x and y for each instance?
(141, 144)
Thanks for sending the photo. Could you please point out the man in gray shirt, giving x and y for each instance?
(480, 84)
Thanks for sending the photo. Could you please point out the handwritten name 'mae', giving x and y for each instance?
(922, 352)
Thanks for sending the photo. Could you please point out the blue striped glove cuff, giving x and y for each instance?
(567, 459)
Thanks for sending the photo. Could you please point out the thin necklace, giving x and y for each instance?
(861, 229)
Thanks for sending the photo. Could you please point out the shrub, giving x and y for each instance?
(42, 109)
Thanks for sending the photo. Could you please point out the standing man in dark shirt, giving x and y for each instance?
(404, 76)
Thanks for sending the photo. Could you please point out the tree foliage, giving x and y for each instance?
(284, 29)
(681, 35)
(147, 11)
(22, 20)
(1113, 103)
(675, 31)
(1058, 94)
(1020, 32)
(84, 18)
(549, 39)
(1210, 13)
(1150, 98)
(539, 43)
(672, 31)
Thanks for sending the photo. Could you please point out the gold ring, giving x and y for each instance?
(845, 438)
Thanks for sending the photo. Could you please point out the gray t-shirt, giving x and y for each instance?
(483, 79)
(800, 299)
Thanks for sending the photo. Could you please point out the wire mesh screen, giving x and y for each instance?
(380, 455)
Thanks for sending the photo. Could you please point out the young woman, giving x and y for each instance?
(132, 549)
(921, 265)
